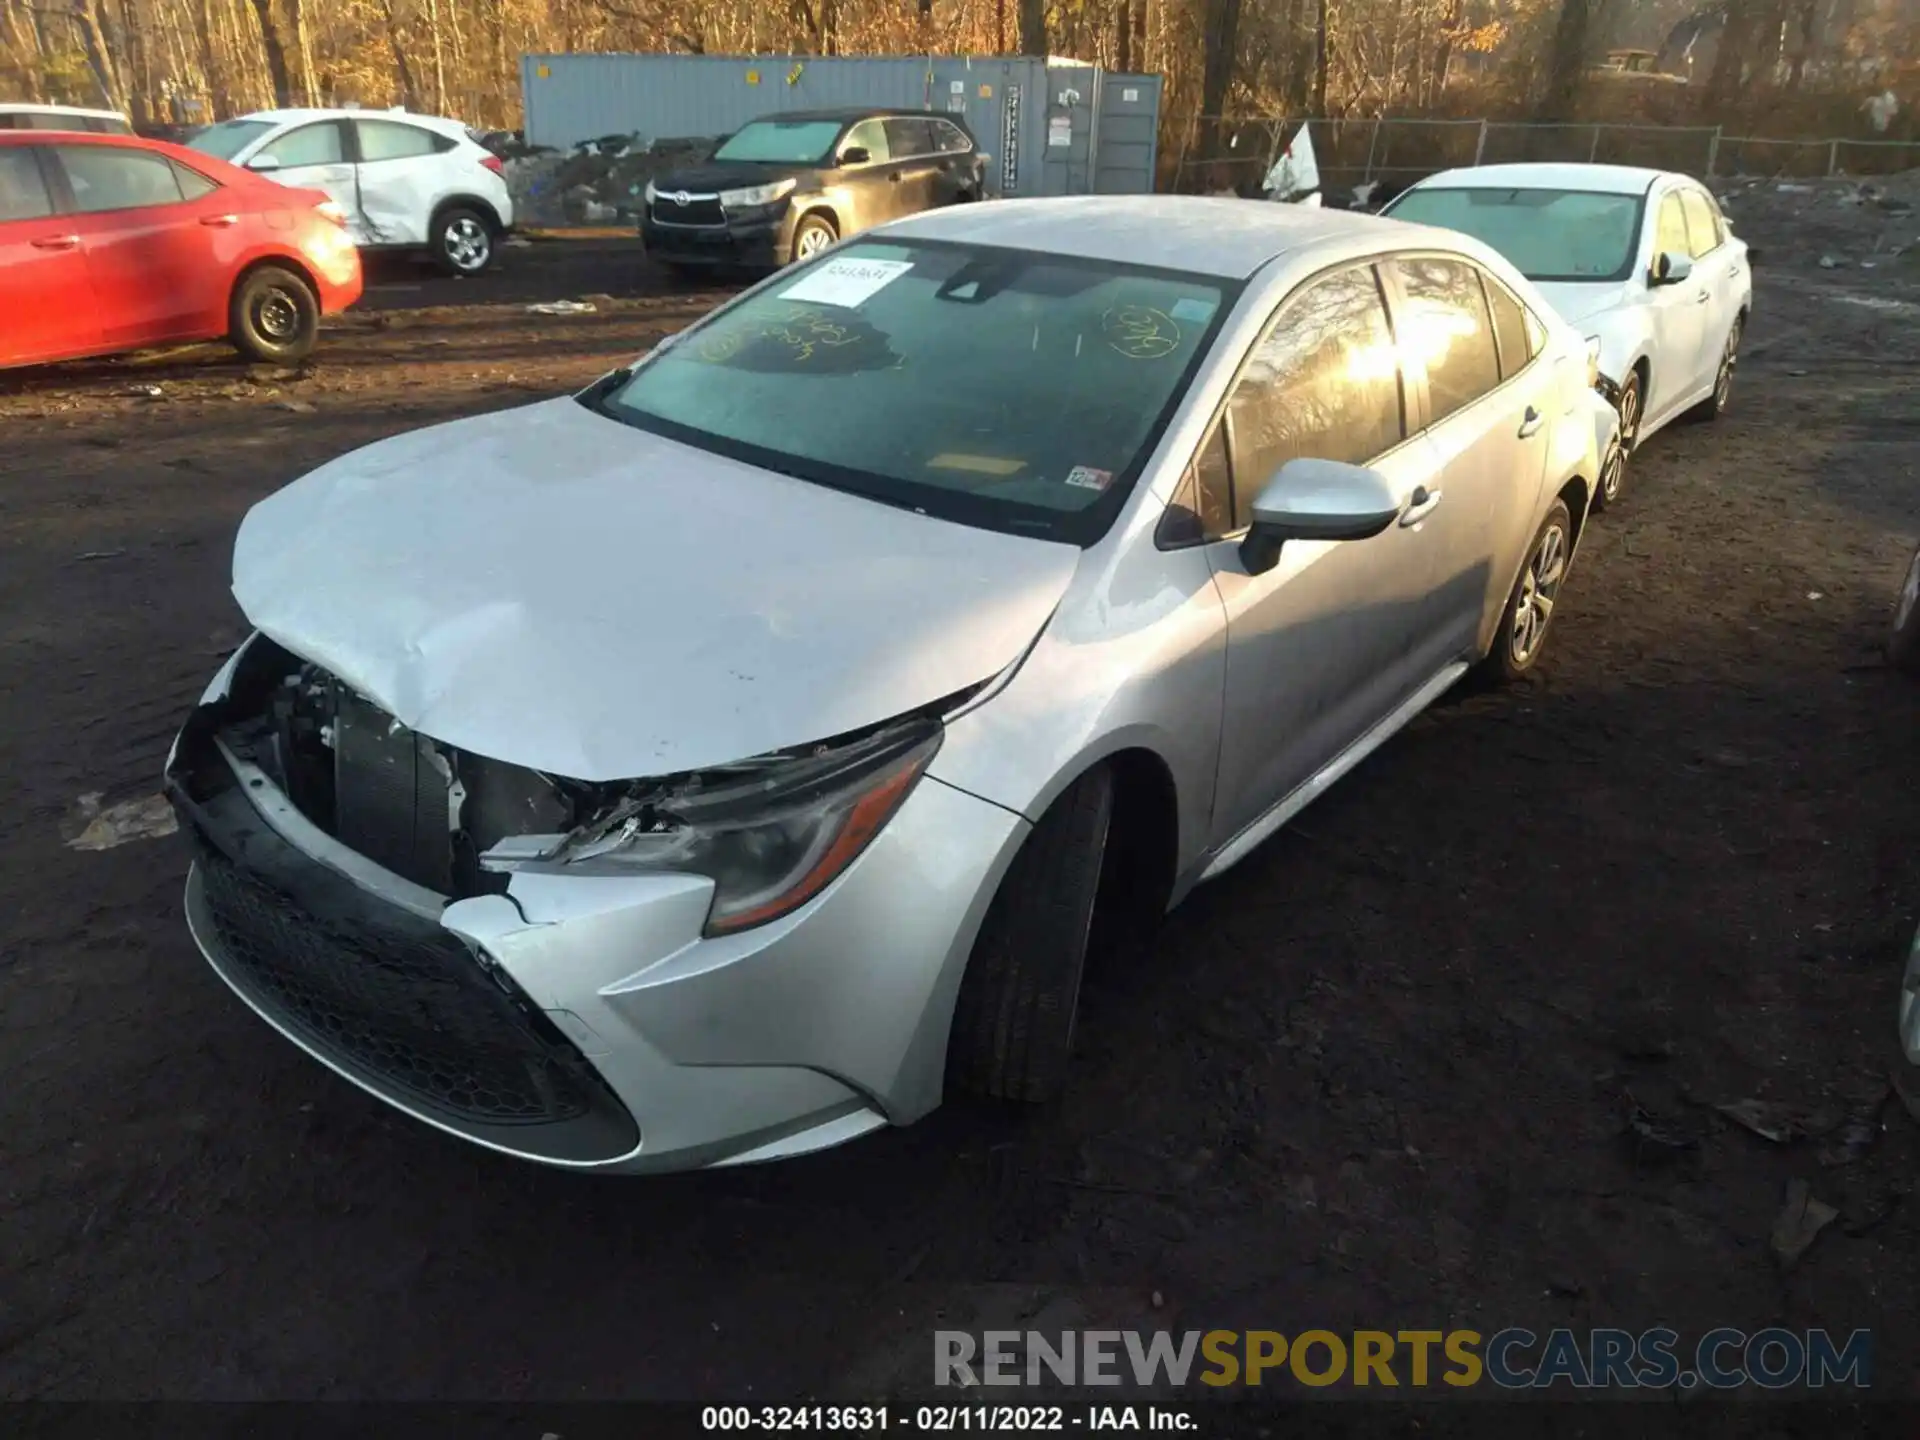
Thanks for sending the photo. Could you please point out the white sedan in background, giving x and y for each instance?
(1641, 262)
(406, 181)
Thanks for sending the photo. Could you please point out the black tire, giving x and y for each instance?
(1630, 406)
(1507, 660)
(1715, 405)
(462, 242)
(273, 316)
(812, 235)
(1903, 646)
(1013, 1021)
(1613, 477)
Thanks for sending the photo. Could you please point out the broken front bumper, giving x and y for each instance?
(583, 1021)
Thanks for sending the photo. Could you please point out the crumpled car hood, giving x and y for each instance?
(1575, 301)
(552, 588)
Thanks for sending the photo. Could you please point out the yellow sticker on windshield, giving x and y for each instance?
(1140, 332)
(977, 464)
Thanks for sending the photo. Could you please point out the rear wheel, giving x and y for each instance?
(1715, 405)
(273, 316)
(1013, 1022)
(1522, 636)
(462, 241)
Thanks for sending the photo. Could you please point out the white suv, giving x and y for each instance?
(406, 181)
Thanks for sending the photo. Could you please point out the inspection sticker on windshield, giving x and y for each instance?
(846, 281)
(1192, 310)
(1088, 478)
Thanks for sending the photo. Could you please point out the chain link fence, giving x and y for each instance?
(1223, 154)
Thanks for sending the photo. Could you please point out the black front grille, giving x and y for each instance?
(702, 211)
(417, 1014)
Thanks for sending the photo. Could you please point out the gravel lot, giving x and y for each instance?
(1386, 1073)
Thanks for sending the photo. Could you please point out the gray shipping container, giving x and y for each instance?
(1050, 127)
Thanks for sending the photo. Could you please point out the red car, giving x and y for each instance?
(112, 243)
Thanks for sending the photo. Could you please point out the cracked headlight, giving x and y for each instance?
(755, 195)
(770, 834)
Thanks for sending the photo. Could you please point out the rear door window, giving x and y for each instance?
(907, 137)
(1509, 328)
(1445, 324)
(23, 189)
(390, 140)
(1703, 226)
(107, 177)
(949, 138)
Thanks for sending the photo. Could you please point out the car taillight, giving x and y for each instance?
(330, 209)
(492, 162)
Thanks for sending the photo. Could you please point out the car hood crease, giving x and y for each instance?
(553, 588)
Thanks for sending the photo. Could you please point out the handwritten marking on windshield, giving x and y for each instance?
(1140, 332)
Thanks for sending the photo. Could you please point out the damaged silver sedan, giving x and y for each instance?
(721, 763)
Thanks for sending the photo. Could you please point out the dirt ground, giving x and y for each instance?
(1386, 1074)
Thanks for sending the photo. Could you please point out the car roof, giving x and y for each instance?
(298, 114)
(88, 137)
(844, 113)
(1207, 235)
(29, 107)
(1601, 179)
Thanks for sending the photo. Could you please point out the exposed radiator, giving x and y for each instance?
(391, 794)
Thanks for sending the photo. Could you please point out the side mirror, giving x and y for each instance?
(855, 155)
(1316, 500)
(265, 160)
(1670, 267)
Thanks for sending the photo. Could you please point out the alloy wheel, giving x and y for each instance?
(812, 241)
(467, 244)
(1630, 414)
(1539, 588)
(1612, 472)
(1723, 382)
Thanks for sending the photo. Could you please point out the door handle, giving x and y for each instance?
(1420, 504)
(1531, 423)
(58, 242)
(893, 177)
(220, 220)
(1703, 297)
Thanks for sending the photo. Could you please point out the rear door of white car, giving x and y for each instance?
(1716, 268)
(1679, 316)
(1488, 425)
(401, 178)
(1329, 641)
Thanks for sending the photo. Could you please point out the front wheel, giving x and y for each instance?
(273, 317)
(462, 241)
(1524, 623)
(1613, 474)
(1013, 1021)
(815, 234)
(1903, 646)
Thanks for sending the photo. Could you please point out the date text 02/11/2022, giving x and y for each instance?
(938, 1419)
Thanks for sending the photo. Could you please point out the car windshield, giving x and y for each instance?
(1001, 388)
(791, 142)
(229, 137)
(1548, 235)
